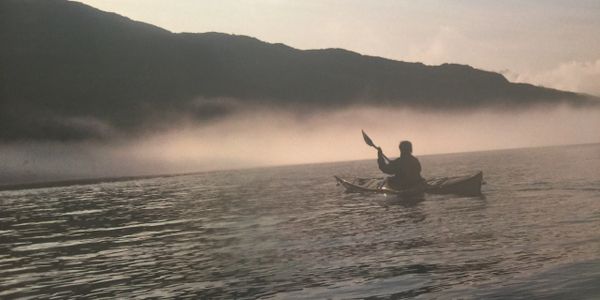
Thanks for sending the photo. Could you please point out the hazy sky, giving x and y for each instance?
(552, 43)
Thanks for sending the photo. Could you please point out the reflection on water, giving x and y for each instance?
(291, 233)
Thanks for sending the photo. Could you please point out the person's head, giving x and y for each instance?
(405, 147)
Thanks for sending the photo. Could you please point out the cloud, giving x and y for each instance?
(576, 76)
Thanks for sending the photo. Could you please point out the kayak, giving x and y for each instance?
(467, 185)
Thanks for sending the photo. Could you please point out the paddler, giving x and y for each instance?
(406, 169)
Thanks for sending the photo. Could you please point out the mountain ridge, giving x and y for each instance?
(72, 72)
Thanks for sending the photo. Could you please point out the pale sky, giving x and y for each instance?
(552, 43)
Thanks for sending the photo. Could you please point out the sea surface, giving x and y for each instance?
(291, 233)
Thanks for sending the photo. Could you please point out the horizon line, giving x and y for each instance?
(82, 181)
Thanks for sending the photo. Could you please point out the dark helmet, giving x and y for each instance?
(405, 147)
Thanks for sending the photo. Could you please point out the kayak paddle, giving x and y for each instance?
(369, 142)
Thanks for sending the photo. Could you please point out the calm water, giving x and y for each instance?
(291, 233)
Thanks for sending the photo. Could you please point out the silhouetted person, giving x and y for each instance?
(406, 169)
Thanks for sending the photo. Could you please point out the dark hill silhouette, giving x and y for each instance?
(70, 71)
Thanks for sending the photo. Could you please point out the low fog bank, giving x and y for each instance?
(275, 137)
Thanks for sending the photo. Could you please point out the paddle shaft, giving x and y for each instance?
(369, 142)
(384, 157)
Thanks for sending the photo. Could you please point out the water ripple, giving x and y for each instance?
(290, 233)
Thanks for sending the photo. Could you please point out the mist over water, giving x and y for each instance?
(261, 137)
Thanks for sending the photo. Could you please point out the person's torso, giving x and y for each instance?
(407, 170)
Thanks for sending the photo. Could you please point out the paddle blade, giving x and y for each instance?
(368, 139)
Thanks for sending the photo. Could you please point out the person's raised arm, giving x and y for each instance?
(381, 162)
